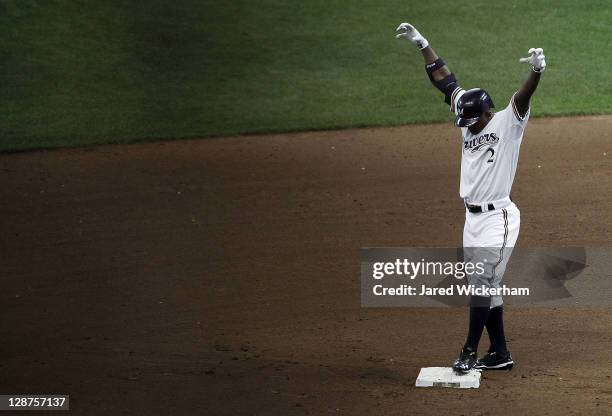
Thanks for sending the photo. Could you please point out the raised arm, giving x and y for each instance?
(538, 64)
(437, 70)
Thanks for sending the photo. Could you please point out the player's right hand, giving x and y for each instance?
(409, 32)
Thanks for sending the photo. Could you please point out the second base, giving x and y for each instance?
(446, 377)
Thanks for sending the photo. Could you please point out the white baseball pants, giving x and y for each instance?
(490, 237)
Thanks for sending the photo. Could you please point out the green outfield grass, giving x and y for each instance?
(82, 72)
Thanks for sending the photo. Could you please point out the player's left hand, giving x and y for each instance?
(536, 59)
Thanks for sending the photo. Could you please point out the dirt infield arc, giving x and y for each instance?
(221, 276)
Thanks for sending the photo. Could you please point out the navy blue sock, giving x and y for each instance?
(478, 318)
(495, 328)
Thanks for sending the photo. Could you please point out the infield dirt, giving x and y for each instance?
(221, 276)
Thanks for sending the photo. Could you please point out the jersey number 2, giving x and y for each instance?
(492, 158)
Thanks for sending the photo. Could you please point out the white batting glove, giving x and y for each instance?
(536, 59)
(407, 31)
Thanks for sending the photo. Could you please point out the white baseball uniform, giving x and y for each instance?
(488, 165)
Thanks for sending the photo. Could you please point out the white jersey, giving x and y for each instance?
(489, 158)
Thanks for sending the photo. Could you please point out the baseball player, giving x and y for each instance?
(490, 150)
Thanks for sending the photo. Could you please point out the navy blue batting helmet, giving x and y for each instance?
(471, 105)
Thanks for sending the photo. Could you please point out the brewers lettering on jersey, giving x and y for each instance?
(491, 142)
